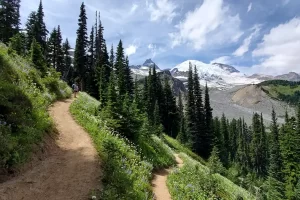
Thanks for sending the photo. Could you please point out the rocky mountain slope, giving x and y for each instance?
(243, 101)
(291, 76)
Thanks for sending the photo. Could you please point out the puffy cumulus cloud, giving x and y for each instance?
(131, 49)
(161, 9)
(249, 7)
(244, 48)
(279, 50)
(212, 23)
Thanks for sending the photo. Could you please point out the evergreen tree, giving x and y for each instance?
(112, 108)
(290, 149)
(120, 69)
(9, 19)
(41, 30)
(199, 138)
(214, 163)
(297, 190)
(52, 49)
(112, 58)
(171, 120)
(190, 108)
(275, 168)
(128, 78)
(37, 58)
(182, 137)
(224, 149)
(209, 136)
(60, 54)
(233, 139)
(31, 29)
(256, 149)
(17, 44)
(80, 48)
(241, 155)
(69, 71)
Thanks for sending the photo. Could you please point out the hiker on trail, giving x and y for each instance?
(75, 89)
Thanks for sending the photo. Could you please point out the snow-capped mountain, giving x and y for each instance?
(215, 75)
(143, 70)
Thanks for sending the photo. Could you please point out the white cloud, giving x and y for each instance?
(133, 8)
(284, 2)
(130, 50)
(249, 7)
(280, 49)
(209, 24)
(244, 48)
(223, 60)
(155, 50)
(161, 9)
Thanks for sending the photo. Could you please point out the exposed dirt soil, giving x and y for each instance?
(71, 171)
(159, 182)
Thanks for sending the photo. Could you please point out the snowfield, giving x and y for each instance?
(215, 75)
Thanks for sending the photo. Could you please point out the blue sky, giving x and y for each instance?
(255, 36)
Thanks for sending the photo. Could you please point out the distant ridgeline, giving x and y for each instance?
(288, 91)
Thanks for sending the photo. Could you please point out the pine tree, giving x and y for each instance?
(224, 151)
(59, 52)
(37, 58)
(172, 118)
(31, 29)
(52, 49)
(112, 58)
(17, 44)
(297, 190)
(69, 71)
(40, 31)
(275, 168)
(257, 146)
(241, 155)
(190, 108)
(112, 108)
(233, 139)
(120, 69)
(199, 138)
(91, 83)
(182, 137)
(128, 78)
(209, 136)
(264, 146)
(80, 48)
(9, 19)
(214, 163)
(290, 149)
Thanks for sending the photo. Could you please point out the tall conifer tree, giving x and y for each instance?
(80, 59)
(9, 19)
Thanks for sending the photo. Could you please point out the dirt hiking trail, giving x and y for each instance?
(71, 171)
(159, 182)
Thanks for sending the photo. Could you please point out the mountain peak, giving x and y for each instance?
(148, 62)
(227, 67)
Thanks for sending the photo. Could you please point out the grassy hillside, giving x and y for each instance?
(127, 167)
(194, 180)
(287, 91)
(24, 98)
